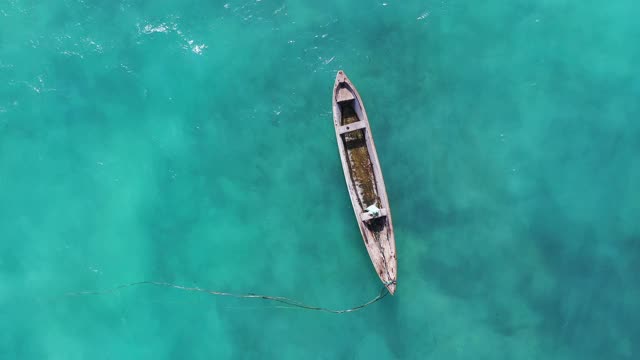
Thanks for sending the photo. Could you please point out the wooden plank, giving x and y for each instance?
(344, 95)
(352, 127)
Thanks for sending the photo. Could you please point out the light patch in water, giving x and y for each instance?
(97, 47)
(72, 53)
(423, 16)
(167, 28)
(328, 61)
(150, 29)
(198, 48)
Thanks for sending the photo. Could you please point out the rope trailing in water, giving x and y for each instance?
(383, 292)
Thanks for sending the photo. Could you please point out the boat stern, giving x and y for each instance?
(391, 287)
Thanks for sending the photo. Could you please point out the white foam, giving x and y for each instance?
(150, 29)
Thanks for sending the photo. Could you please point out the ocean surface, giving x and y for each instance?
(192, 142)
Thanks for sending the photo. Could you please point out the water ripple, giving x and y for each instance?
(172, 27)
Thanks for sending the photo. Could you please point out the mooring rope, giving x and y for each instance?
(383, 292)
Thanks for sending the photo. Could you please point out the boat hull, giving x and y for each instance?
(364, 179)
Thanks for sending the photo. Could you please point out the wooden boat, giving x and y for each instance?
(364, 179)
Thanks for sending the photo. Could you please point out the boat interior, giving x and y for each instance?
(360, 166)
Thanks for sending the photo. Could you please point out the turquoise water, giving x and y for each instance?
(192, 142)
